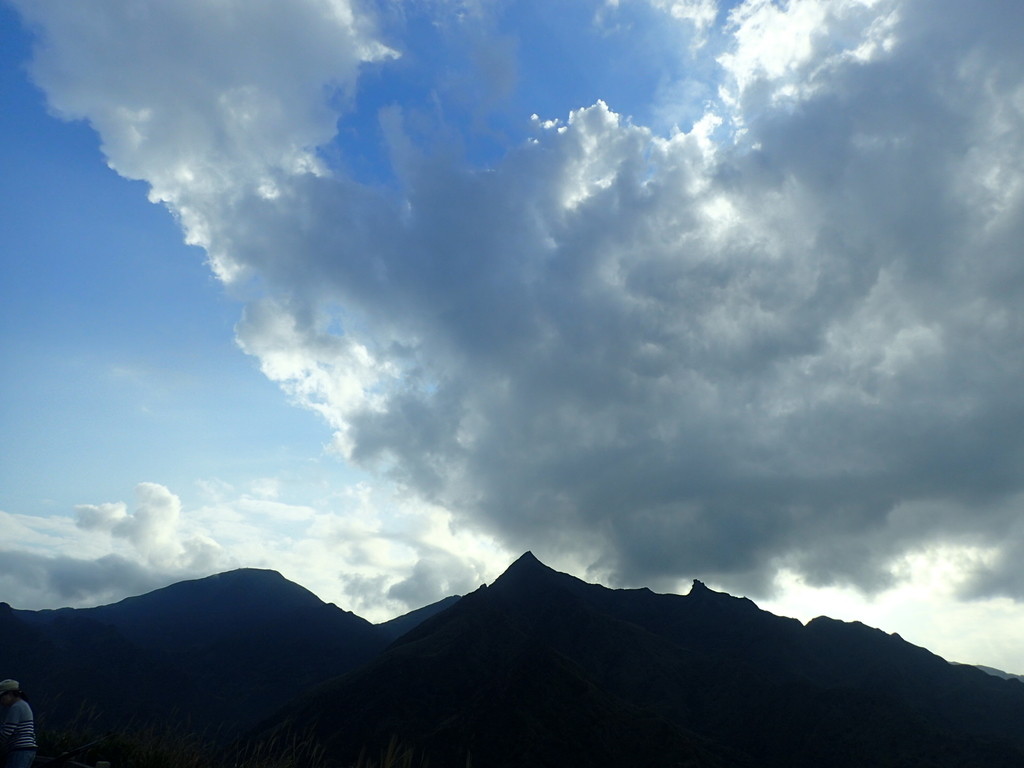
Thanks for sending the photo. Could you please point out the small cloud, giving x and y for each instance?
(364, 591)
(433, 578)
(100, 517)
(267, 488)
(153, 529)
(214, 489)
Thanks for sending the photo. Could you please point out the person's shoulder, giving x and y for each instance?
(21, 706)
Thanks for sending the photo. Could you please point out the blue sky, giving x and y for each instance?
(118, 350)
(382, 295)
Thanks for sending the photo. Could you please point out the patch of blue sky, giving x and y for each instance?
(467, 85)
(575, 54)
(444, 85)
(119, 360)
(645, 64)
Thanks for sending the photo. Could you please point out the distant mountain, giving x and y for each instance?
(398, 626)
(999, 673)
(191, 613)
(220, 653)
(542, 669)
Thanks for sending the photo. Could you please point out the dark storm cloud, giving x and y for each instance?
(1003, 577)
(710, 365)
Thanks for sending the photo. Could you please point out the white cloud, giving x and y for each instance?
(363, 548)
(792, 46)
(101, 517)
(333, 375)
(153, 530)
(204, 101)
(267, 487)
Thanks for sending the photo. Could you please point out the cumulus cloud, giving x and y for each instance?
(364, 548)
(430, 576)
(221, 99)
(786, 338)
(793, 47)
(434, 577)
(153, 529)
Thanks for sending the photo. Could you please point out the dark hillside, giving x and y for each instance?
(217, 654)
(477, 683)
(75, 664)
(828, 653)
(504, 674)
(197, 611)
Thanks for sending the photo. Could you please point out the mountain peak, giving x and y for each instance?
(208, 606)
(526, 566)
(529, 576)
(701, 594)
(527, 559)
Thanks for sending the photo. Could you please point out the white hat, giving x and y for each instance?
(9, 685)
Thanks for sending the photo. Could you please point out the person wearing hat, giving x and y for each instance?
(17, 726)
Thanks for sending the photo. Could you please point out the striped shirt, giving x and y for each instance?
(18, 731)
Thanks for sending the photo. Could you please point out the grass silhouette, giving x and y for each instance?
(175, 747)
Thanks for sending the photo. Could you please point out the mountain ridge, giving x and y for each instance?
(240, 637)
(537, 668)
(724, 682)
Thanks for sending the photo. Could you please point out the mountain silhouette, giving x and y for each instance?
(537, 669)
(542, 669)
(218, 653)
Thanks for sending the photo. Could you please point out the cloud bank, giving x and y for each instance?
(364, 548)
(785, 337)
